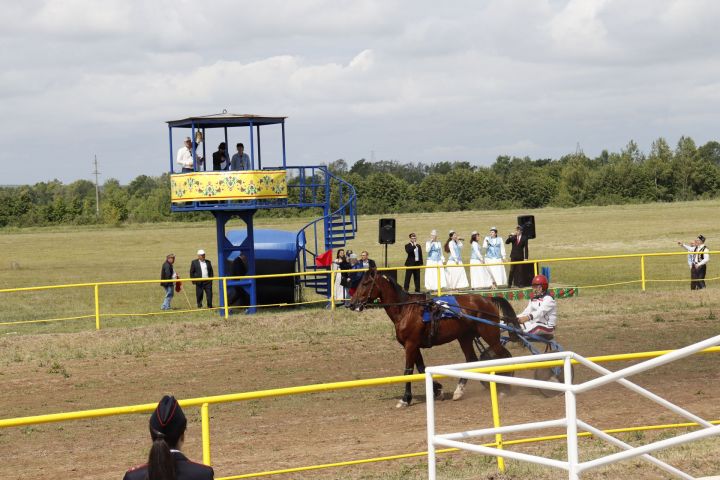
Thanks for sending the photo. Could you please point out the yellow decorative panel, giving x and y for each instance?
(228, 185)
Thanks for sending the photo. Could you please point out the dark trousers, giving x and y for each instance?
(697, 275)
(415, 273)
(520, 275)
(205, 287)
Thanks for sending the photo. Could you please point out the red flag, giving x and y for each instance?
(325, 259)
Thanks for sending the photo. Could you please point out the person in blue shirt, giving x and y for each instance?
(240, 161)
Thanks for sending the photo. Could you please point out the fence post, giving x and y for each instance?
(642, 271)
(439, 282)
(97, 307)
(496, 423)
(535, 268)
(332, 289)
(205, 421)
(226, 306)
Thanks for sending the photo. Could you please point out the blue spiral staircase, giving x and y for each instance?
(316, 186)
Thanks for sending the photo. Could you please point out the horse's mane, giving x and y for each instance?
(399, 291)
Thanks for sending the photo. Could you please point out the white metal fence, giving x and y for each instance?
(570, 422)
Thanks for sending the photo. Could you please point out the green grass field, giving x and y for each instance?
(74, 255)
(66, 366)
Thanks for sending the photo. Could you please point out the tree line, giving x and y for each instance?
(665, 174)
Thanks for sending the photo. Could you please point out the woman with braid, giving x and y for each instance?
(166, 461)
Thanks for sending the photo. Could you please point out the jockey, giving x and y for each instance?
(540, 316)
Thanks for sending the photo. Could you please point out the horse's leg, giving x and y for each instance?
(437, 386)
(466, 343)
(411, 354)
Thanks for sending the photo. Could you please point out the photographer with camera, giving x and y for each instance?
(519, 251)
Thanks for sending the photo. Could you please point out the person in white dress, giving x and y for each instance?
(454, 271)
(479, 275)
(340, 263)
(433, 250)
(494, 254)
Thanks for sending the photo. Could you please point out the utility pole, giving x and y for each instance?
(97, 190)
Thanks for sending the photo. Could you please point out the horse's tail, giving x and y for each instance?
(507, 313)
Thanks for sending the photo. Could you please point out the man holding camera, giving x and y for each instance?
(519, 251)
(414, 259)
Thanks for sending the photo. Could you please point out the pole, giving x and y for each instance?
(97, 307)
(226, 306)
(496, 423)
(642, 272)
(97, 190)
(205, 420)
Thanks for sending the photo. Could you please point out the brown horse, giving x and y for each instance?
(406, 311)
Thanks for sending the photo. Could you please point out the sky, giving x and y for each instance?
(411, 81)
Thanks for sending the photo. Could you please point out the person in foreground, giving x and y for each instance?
(540, 316)
(166, 461)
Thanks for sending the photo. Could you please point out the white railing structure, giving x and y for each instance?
(571, 422)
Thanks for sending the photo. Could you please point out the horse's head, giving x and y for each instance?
(367, 291)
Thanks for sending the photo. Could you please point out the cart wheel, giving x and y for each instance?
(555, 374)
(501, 387)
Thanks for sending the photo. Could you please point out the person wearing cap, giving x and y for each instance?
(697, 261)
(479, 275)
(220, 158)
(356, 276)
(540, 315)
(165, 460)
(435, 259)
(168, 273)
(414, 259)
(201, 268)
(454, 271)
(518, 252)
(184, 156)
(495, 254)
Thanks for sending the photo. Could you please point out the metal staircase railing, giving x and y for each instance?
(316, 186)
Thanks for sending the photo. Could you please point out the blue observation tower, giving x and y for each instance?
(239, 194)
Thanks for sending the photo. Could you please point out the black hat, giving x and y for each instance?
(168, 419)
(701, 238)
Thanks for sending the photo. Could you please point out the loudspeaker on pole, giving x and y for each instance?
(527, 222)
(387, 231)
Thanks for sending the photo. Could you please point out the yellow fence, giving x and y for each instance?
(205, 402)
(99, 312)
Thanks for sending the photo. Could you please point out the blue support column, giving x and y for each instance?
(282, 126)
(225, 248)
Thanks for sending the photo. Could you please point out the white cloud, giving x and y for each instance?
(413, 81)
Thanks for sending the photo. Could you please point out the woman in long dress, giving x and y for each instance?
(339, 264)
(494, 254)
(454, 271)
(433, 250)
(479, 275)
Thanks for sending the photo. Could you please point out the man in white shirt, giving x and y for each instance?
(202, 268)
(540, 316)
(185, 157)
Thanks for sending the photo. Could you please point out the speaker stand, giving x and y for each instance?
(386, 255)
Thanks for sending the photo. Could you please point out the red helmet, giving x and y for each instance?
(540, 280)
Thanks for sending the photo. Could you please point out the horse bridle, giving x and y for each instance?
(367, 299)
(375, 301)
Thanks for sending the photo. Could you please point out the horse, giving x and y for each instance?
(406, 312)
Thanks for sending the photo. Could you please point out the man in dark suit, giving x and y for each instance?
(220, 158)
(202, 268)
(414, 259)
(519, 252)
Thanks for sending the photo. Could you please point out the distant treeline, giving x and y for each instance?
(665, 174)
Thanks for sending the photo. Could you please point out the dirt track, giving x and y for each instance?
(310, 429)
